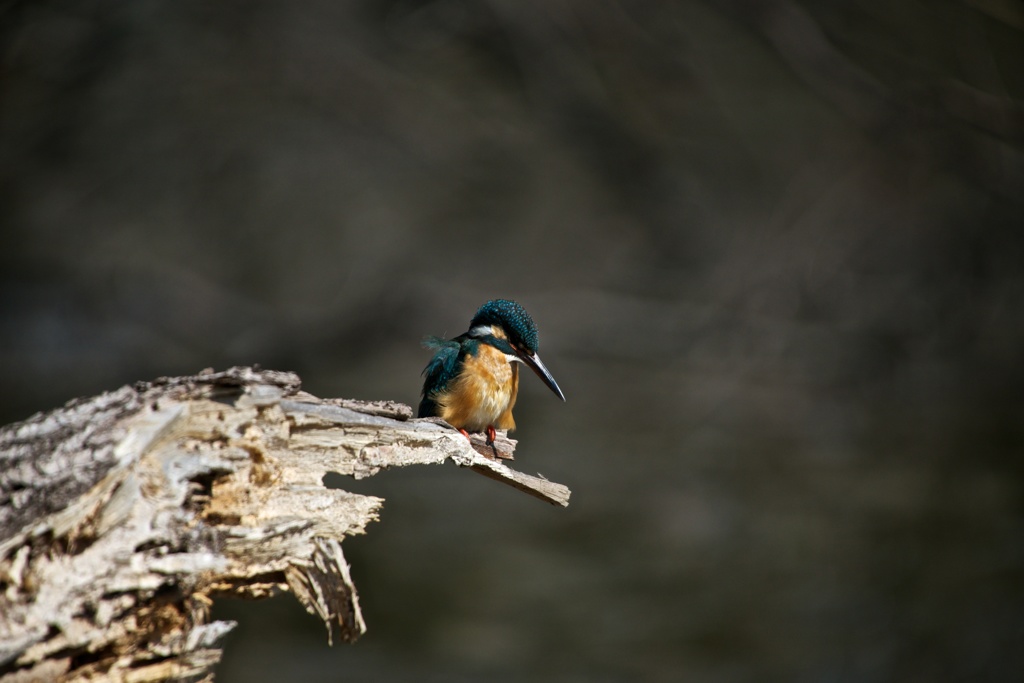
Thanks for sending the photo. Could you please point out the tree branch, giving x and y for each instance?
(123, 516)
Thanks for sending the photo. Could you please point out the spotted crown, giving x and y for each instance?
(511, 317)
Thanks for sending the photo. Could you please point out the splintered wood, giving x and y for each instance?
(123, 516)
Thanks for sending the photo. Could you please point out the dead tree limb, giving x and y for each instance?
(123, 516)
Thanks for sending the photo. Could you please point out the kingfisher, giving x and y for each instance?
(472, 380)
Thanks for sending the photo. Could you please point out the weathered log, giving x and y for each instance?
(123, 516)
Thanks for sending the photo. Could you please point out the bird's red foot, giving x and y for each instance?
(465, 434)
(491, 435)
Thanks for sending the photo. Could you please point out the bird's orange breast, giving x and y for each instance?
(483, 394)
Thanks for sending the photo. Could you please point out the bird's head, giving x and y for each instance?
(507, 326)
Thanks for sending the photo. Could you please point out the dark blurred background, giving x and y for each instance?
(774, 249)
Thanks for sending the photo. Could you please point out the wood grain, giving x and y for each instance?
(124, 516)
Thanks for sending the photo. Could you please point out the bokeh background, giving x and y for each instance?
(774, 248)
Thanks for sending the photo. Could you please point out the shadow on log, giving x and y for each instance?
(123, 516)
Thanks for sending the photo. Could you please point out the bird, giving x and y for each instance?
(472, 381)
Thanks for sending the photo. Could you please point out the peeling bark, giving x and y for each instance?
(123, 516)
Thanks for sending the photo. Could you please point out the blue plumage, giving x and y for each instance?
(442, 369)
(512, 318)
(470, 388)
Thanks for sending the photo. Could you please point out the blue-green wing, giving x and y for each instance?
(439, 373)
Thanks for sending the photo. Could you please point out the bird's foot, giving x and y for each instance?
(491, 435)
(465, 434)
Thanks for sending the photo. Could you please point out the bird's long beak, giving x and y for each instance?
(533, 360)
